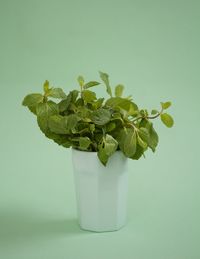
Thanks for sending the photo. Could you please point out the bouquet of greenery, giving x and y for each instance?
(82, 121)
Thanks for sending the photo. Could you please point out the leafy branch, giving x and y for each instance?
(83, 121)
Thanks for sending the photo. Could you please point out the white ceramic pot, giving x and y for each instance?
(101, 191)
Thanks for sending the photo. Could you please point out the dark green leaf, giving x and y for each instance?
(32, 99)
(119, 90)
(101, 116)
(105, 79)
(141, 142)
(139, 152)
(90, 84)
(167, 120)
(71, 121)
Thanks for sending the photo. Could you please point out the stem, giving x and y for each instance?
(149, 117)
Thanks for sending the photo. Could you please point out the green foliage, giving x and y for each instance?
(82, 121)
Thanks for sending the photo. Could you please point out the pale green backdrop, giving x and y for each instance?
(153, 48)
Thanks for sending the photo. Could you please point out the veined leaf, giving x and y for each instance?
(107, 148)
(84, 143)
(88, 96)
(101, 116)
(57, 93)
(71, 121)
(90, 84)
(105, 79)
(139, 152)
(167, 120)
(57, 124)
(123, 103)
(127, 141)
(32, 99)
(119, 90)
(64, 104)
(44, 111)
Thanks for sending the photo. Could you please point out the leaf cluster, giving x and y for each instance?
(85, 122)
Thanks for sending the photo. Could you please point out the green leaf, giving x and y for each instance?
(107, 148)
(120, 102)
(84, 143)
(154, 112)
(110, 126)
(90, 84)
(98, 103)
(46, 86)
(153, 138)
(64, 104)
(57, 124)
(32, 99)
(88, 96)
(167, 120)
(142, 143)
(127, 141)
(71, 121)
(105, 78)
(101, 116)
(80, 80)
(119, 90)
(139, 152)
(44, 111)
(166, 105)
(57, 93)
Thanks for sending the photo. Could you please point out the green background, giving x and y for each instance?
(152, 47)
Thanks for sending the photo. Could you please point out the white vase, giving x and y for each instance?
(101, 192)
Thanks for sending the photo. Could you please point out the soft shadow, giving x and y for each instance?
(21, 226)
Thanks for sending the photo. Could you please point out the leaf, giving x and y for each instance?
(32, 99)
(105, 78)
(57, 93)
(167, 120)
(80, 80)
(44, 111)
(119, 90)
(84, 143)
(64, 104)
(90, 84)
(127, 141)
(107, 148)
(98, 103)
(46, 86)
(142, 143)
(166, 105)
(123, 103)
(101, 116)
(139, 152)
(57, 124)
(154, 112)
(153, 138)
(88, 96)
(110, 126)
(71, 121)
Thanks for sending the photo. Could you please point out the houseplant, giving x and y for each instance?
(103, 134)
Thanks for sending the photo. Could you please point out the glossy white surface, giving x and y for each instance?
(101, 191)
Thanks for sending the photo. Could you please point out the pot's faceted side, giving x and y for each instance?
(101, 192)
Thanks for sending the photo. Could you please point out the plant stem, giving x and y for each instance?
(149, 117)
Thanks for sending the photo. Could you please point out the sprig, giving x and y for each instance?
(83, 121)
